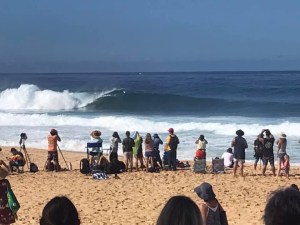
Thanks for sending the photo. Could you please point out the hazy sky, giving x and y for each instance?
(170, 34)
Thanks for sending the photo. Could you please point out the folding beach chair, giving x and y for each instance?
(218, 165)
(199, 166)
(94, 152)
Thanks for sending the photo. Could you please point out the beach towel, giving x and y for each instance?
(138, 142)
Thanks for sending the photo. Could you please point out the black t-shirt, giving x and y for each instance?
(128, 143)
(268, 147)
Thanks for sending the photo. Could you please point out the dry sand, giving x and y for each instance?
(138, 197)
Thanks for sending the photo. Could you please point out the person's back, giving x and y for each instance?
(283, 207)
(228, 158)
(156, 142)
(128, 144)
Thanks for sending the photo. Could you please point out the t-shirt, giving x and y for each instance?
(128, 144)
(239, 144)
(228, 158)
(268, 147)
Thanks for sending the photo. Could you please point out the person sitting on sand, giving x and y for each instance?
(180, 210)
(60, 211)
(283, 207)
(201, 147)
(228, 158)
(16, 160)
(53, 138)
(210, 207)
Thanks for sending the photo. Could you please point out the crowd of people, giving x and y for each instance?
(264, 146)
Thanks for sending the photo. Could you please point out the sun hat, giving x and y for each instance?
(205, 192)
(239, 132)
(96, 134)
(171, 130)
(282, 135)
(3, 172)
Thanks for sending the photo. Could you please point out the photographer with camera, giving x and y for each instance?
(268, 152)
(53, 138)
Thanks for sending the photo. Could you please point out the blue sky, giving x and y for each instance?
(150, 34)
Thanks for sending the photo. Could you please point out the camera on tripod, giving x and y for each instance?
(23, 138)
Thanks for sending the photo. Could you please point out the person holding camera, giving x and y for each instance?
(53, 138)
(268, 152)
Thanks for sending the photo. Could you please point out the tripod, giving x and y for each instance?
(23, 148)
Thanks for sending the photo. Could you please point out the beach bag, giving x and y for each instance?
(13, 203)
(33, 168)
(173, 142)
(84, 166)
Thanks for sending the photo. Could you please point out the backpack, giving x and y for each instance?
(33, 168)
(173, 142)
(84, 166)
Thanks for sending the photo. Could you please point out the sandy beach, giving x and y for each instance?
(138, 197)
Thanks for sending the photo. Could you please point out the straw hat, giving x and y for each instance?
(96, 134)
(3, 172)
(282, 135)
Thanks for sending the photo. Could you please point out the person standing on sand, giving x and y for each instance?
(240, 144)
(281, 151)
(171, 149)
(258, 150)
(138, 150)
(201, 147)
(149, 151)
(128, 144)
(53, 138)
(156, 153)
(268, 154)
(114, 146)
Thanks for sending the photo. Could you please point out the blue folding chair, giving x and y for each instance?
(94, 152)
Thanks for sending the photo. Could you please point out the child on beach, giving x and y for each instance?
(286, 165)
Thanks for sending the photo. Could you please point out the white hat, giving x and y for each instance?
(282, 135)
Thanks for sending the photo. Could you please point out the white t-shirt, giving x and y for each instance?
(228, 157)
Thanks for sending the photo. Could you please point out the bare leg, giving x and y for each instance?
(242, 169)
(278, 167)
(147, 163)
(136, 163)
(235, 168)
(264, 170)
(273, 169)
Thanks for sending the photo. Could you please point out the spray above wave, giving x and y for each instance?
(31, 97)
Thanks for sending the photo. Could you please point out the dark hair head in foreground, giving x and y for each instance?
(180, 210)
(60, 211)
(283, 207)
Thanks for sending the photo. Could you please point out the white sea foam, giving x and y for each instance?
(31, 97)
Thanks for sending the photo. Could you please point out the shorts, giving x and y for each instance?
(148, 154)
(268, 159)
(128, 156)
(52, 155)
(239, 160)
(281, 156)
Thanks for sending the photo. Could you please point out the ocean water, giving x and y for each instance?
(214, 104)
